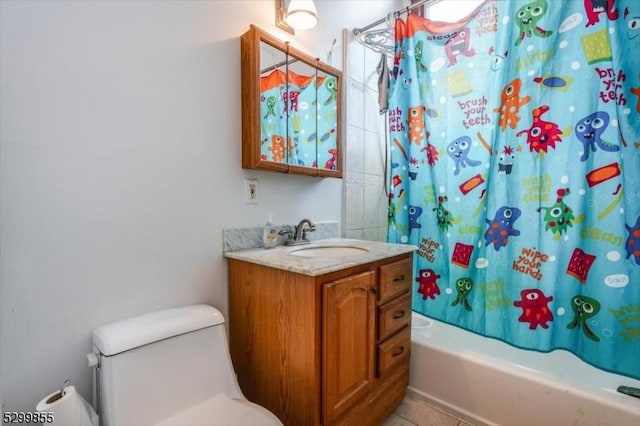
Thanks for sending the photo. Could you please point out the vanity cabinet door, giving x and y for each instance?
(348, 342)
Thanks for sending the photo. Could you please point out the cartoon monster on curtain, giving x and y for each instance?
(515, 168)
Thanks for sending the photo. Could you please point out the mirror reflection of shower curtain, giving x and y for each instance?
(298, 118)
(515, 168)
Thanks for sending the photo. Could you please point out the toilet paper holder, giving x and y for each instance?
(64, 385)
(56, 396)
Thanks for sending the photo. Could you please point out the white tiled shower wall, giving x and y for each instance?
(365, 206)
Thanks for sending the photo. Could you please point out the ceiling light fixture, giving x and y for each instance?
(300, 15)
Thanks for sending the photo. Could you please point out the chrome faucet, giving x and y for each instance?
(301, 231)
(299, 236)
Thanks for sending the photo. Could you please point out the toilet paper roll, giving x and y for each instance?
(69, 409)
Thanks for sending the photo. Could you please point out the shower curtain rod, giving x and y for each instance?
(407, 9)
(278, 65)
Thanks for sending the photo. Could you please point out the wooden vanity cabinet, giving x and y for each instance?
(322, 350)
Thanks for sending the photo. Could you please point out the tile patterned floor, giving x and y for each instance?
(415, 412)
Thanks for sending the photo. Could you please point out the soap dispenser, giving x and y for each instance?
(270, 235)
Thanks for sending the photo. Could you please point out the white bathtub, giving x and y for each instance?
(487, 382)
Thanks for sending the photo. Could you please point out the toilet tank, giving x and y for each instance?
(157, 364)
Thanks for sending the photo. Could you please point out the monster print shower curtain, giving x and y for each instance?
(515, 168)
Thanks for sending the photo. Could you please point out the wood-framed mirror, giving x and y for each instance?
(291, 109)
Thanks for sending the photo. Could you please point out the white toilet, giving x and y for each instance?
(171, 367)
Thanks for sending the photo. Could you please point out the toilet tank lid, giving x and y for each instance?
(121, 336)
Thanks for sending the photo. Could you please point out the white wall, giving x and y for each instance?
(120, 166)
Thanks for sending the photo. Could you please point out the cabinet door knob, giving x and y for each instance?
(374, 289)
(398, 351)
(399, 278)
(399, 314)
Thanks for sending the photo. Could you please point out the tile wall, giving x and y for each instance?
(365, 206)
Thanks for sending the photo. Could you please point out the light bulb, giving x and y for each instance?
(302, 14)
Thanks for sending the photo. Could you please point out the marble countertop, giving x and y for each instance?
(280, 257)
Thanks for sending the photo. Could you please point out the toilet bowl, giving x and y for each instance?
(171, 368)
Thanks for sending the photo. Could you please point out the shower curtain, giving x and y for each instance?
(515, 168)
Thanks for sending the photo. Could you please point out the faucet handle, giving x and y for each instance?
(286, 230)
(310, 228)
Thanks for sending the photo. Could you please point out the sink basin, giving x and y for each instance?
(329, 251)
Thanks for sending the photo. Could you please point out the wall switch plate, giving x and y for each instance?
(251, 191)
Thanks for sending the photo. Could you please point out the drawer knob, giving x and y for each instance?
(398, 351)
(399, 314)
(399, 278)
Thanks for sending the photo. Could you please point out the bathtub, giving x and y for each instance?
(487, 382)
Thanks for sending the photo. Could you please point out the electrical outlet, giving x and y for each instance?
(251, 191)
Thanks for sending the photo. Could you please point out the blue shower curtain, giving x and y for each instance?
(515, 168)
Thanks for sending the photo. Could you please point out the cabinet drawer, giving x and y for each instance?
(394, 315)
(394, 351)
(395, 278)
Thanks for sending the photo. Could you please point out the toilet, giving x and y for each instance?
(171, 368)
